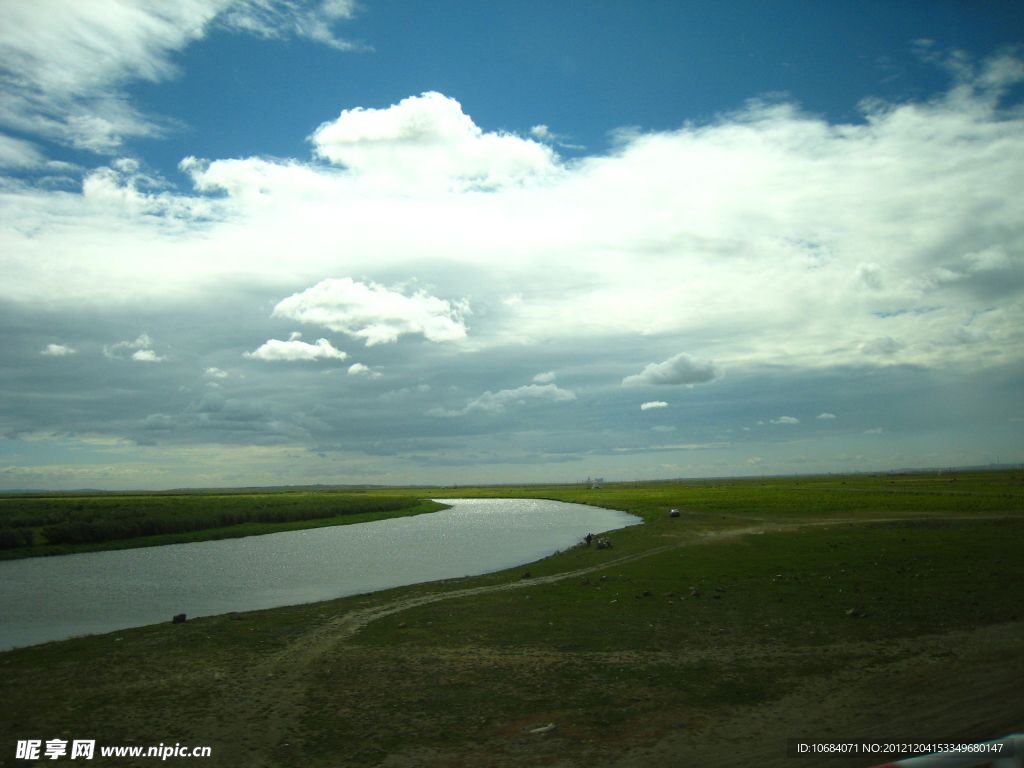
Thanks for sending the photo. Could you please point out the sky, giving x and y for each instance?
(287, 242)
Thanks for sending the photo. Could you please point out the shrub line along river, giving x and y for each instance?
(53, 598)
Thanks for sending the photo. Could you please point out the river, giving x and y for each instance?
(53, 598)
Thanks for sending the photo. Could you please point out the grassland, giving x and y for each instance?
(841, 608)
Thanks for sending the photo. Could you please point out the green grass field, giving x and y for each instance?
(686, 622)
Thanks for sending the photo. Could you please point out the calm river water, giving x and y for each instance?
(52, 598)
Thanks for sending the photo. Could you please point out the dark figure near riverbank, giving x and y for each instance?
(589, 538)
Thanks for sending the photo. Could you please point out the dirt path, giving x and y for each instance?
(264, 715)
(268, 697)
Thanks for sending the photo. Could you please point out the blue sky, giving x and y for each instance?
(587, 68)
(257, 242)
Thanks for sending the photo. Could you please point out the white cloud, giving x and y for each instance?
(375, 313)
(851, 233)
(875, 431)
(663, 428)
(989, 260)
(681, 369)
(495, 402)
(17, 153)
(279, 20)
(143, 347)
(744, 238)
(57, 350)
(146, 356)
(653, 404)
(544, 378)
(358, 369)
(427, 143)
(542, 133)
(275, 349)
(825, 416)
(65, 64)
(785, 420)
(215, 373)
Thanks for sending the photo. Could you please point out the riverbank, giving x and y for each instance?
(310, 511)
(703, 640)
(45, 599)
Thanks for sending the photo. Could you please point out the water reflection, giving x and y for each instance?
(53, 598)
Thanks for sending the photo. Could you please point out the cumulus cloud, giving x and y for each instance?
(542, 133)
(544, 378)
(825, 416)
(785, 420)
(146, 356)
(495, 402)
(428, 142)
(358, 369)
(375, 313)
(275, 349)
(142, 346)
(653, 404)
(681, 369)
(215, 373)
(57, 350)
(875, 431)
(828, 267)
